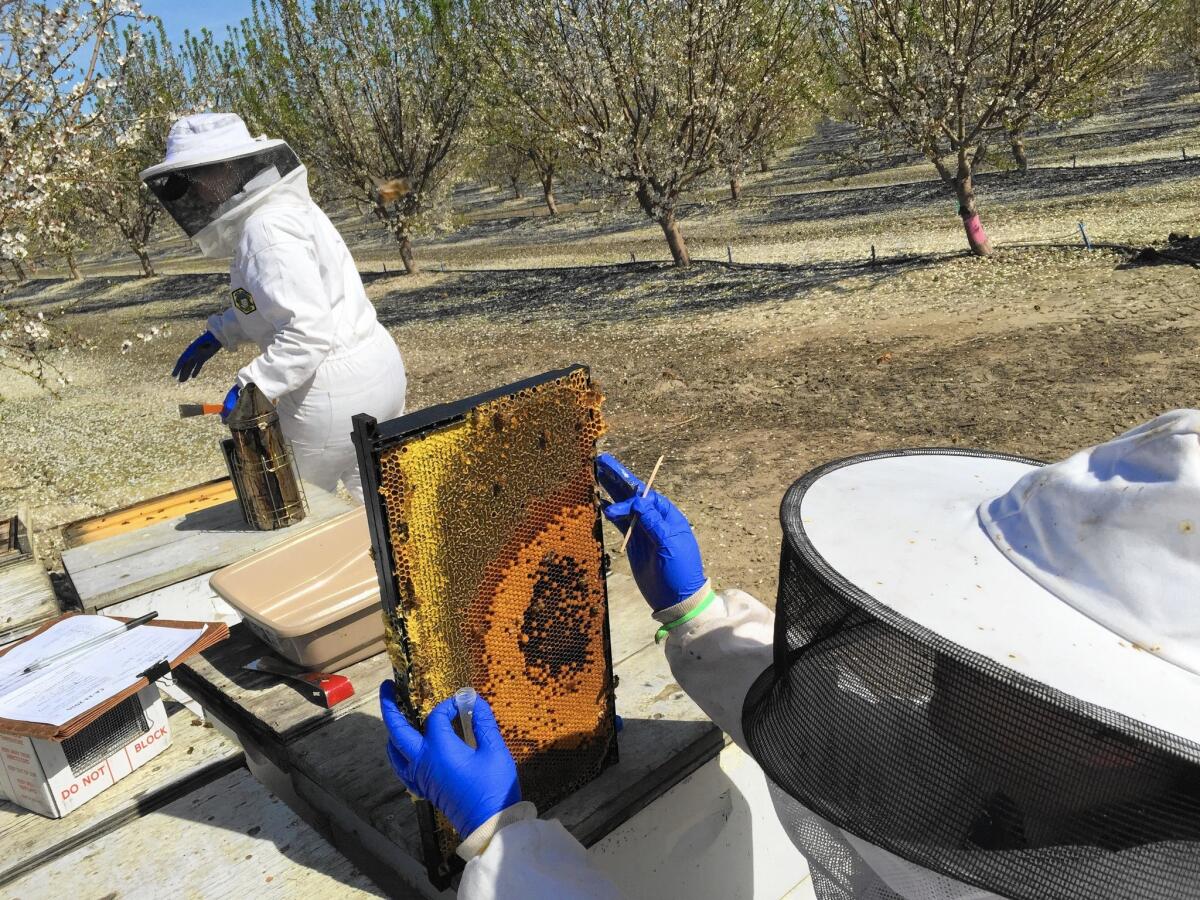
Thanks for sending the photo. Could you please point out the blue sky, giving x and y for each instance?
(196, 14)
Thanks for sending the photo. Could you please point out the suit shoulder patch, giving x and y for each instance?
(243, 302)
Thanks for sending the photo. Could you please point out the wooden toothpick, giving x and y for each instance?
(634, 517)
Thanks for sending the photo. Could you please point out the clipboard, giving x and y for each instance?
(214, 633)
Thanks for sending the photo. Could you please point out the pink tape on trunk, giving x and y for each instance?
(975, 233)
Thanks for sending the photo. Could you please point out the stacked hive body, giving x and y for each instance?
(488, 545)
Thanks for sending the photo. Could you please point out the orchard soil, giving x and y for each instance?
(744, 376)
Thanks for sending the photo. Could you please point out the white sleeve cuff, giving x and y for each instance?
(227, 337)
(683, 607)
(477, 841)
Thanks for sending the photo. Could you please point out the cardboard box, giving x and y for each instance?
(55, 777)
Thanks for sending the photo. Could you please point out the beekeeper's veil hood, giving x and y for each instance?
(1008, 654)
(214, 172)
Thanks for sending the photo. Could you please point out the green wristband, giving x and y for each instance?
(661, 634)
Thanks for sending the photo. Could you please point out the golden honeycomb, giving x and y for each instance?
(498, 565)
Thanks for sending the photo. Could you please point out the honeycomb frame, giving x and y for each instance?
(488, 544)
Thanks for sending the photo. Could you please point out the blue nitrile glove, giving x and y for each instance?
(663, 552)
(192, 360)
(231, 400)
(468, 786)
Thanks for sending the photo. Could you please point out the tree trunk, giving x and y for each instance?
(406, 255)
(964, 189)
(764, 165)
(516, 186)
(19, 269)
(73, 266)
(735, 187)
(1018, 151)
(144, 259)
(979, 160)
(548, 194)
(679, 250)
(664, 215)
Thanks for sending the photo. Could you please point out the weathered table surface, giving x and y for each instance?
(198, 754)
(330, 764)
(26, 598)
(230, 838)
(134, 563)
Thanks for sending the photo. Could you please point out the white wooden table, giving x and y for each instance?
(230, 838)
(26, 595)
(198, 754)
(172, 551)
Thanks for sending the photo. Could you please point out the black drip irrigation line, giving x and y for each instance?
(666, 265)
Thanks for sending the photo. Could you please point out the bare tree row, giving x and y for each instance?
(393, 102)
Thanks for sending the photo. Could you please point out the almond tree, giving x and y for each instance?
(1182, 34)
(50, 85)
(941, 76)
(155, 90)
(50, 81)
(516, 143)
(371, 95)
(499, 163)
(641, 92)
(780, 115)
(772, 124)
(65, 225)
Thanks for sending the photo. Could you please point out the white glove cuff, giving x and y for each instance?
(477, 841)
(683, 607)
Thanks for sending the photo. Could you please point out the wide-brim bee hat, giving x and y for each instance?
(211, 165)
(990, 667)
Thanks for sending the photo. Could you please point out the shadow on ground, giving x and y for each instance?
(1037, 184)
(189, 294)
(626, 292)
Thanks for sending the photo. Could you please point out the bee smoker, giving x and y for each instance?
(261, 464)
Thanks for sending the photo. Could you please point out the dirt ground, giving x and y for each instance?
(744, 376)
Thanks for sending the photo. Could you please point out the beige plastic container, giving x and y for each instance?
(315, 597)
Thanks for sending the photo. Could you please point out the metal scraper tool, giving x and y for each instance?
(328, 690)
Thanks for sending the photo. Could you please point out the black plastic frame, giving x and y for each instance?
(371, 438)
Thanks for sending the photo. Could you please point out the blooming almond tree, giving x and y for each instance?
(773, 123)
(515, 143)
(155, 90)
(941, 76)
(642, 91)
(499, 163)
(65, 226)
(374, 95)
(1182, 26)
(49, 82)
(49, 86)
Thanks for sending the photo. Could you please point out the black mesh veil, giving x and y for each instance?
(196, 195)
(955, 763)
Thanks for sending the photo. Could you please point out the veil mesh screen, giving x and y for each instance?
(495, 562)
(954, 762)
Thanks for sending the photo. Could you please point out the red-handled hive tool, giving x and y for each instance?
(328, 690)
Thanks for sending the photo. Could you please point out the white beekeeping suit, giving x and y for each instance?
(294, 289)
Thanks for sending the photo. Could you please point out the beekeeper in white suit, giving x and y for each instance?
(982, 679)
(294, 291)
